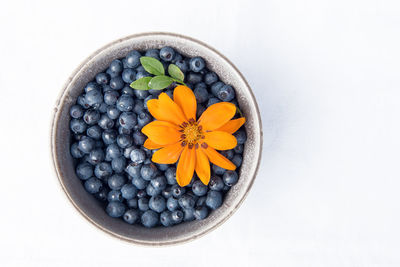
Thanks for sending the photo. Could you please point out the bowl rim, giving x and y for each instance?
(57, 113)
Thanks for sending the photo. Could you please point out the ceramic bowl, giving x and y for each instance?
(88, 206)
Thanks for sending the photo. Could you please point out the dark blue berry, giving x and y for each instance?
(103, 170)
(141, 94)
(167, 192)
(107, 88)
(194, 78)
(143, 204)
(93, 185)
(134, 170)
(122, 130)
(116, 181)
(200, 213)
(148, 171)
(237, 160)
(77, 126)
(216, 87)
(84, 171)
(102, 108)
(111, 97)
(118, 164)
(240, 137)
(128, 75)
(172, 203)
(125, 103)
(139, 138)
(91, 86)
(114, 195)
(117, 83)
(177, 57)
(139, 182)
(147, 99)
(82, 102)
(197, 64)
(115, 209)
(132, 203)
(124, 140)
(188, 214)
(167, 53)
(76, 111)
(201, 201)
(113, 151)
(182, 65)
(214, 199)
(127, 120)
(177, 216)
(103, 78)
(230, 178)
(137, 156)
(102, 194)
(109, 136)
(127, 91)
(75, 152)
(213, 101)
(141, 74)
(133, 59)
(239, 149)
(116, 66)
(159, 183)
(96, 156)
(166, 219)
(162, 167)
(91, 116)
(131, 216)
(86, 144)
(127, 151)
(94, 132)
(112, 112)
(186, 201)
(154, 53)
(170, 174)
(149, 219)
(210, 78)
(151, 191)
(226, 93)
(105, 122)
(218, 170)
(216, 183)
(129, 191)
(93, 97)
(199, 189)
(228, 153)
(200, 110)
(177, 191)
(157, 203)
(201, 93)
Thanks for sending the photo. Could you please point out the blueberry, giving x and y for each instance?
(82, 102)
(117, 83)
(96, 156)
(77, 126)
(230, 178)
(200, 213)
(127, 151)
(218, 170)
(91, 86)
(177, 57)
(93, 97)
(118, 164)
(151, 191)
(94, 132)
(107, 88)
(199, 189)
(201, 93)
(201, 201)
(122, 130)
(76, 111)
(105, 122)
(128, 91)
(216, 183)
(213, 101)
(214, 199)
(188, 215)
(111, 97)
(226, 93)
(116, 181)
(162, 167)
(113, 151)
(147, 99)
(143, 204)
(137, 156)
(182, 65)
(149, 219)
(109, 136)
(132, 203)
(170, 93)
(86, 144)
(125, 103)
(141, 94)
(148, 171)
(141, 74)
(139, 182)
(98, 144)
(84, 171)
(200, 110)
(102, 108)
(103, 170)
(134, 170)
(102, 194)
(216, 87)
(128, 191)
(237, 160)
(116, 66)
(112, 112)
(154, 53)
(177, 191)
(93, 185)
(240, 137)
(172, 204)
(186, 201)
(228, 153)
(196, 64)
(131, 216)
(157, 203)
(114, 195)
(139, 107)
(210, 78)
(194, 78)
(91, 116)
(139, 138)
(167, 192)
(124, 140)
(167, 53)
(128, 75)
(75, 152)
(166, 218)
(115, 209)
(170, 174)
(159, 183)
(103, 78)
(133, 59)
(127, 120)
(155, 92)
(141, 194)
(177, 216)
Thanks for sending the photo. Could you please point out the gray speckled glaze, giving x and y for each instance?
(87, 205)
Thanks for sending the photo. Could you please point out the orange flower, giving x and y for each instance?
(178, 135)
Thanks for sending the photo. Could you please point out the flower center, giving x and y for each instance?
(191, 133)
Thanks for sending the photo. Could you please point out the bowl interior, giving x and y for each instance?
(87, 205)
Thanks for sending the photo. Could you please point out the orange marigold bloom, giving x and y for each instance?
(178, 135)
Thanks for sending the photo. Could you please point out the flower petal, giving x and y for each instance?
(162, 132)
(217, 115)
(232, 125)
(164, 109)
(202, 166)
(185, 168)
(168, 155)
(151, 145)
(184, 97)
(218, 159)
(220, 140)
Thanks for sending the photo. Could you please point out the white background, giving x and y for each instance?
(326, 75)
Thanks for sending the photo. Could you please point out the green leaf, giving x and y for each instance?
(175, 72)
(160, 82)
(152, 65)
(142, 83)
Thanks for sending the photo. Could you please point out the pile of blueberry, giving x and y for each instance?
(107, 144)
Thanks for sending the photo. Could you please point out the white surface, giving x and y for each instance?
(327, 78)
